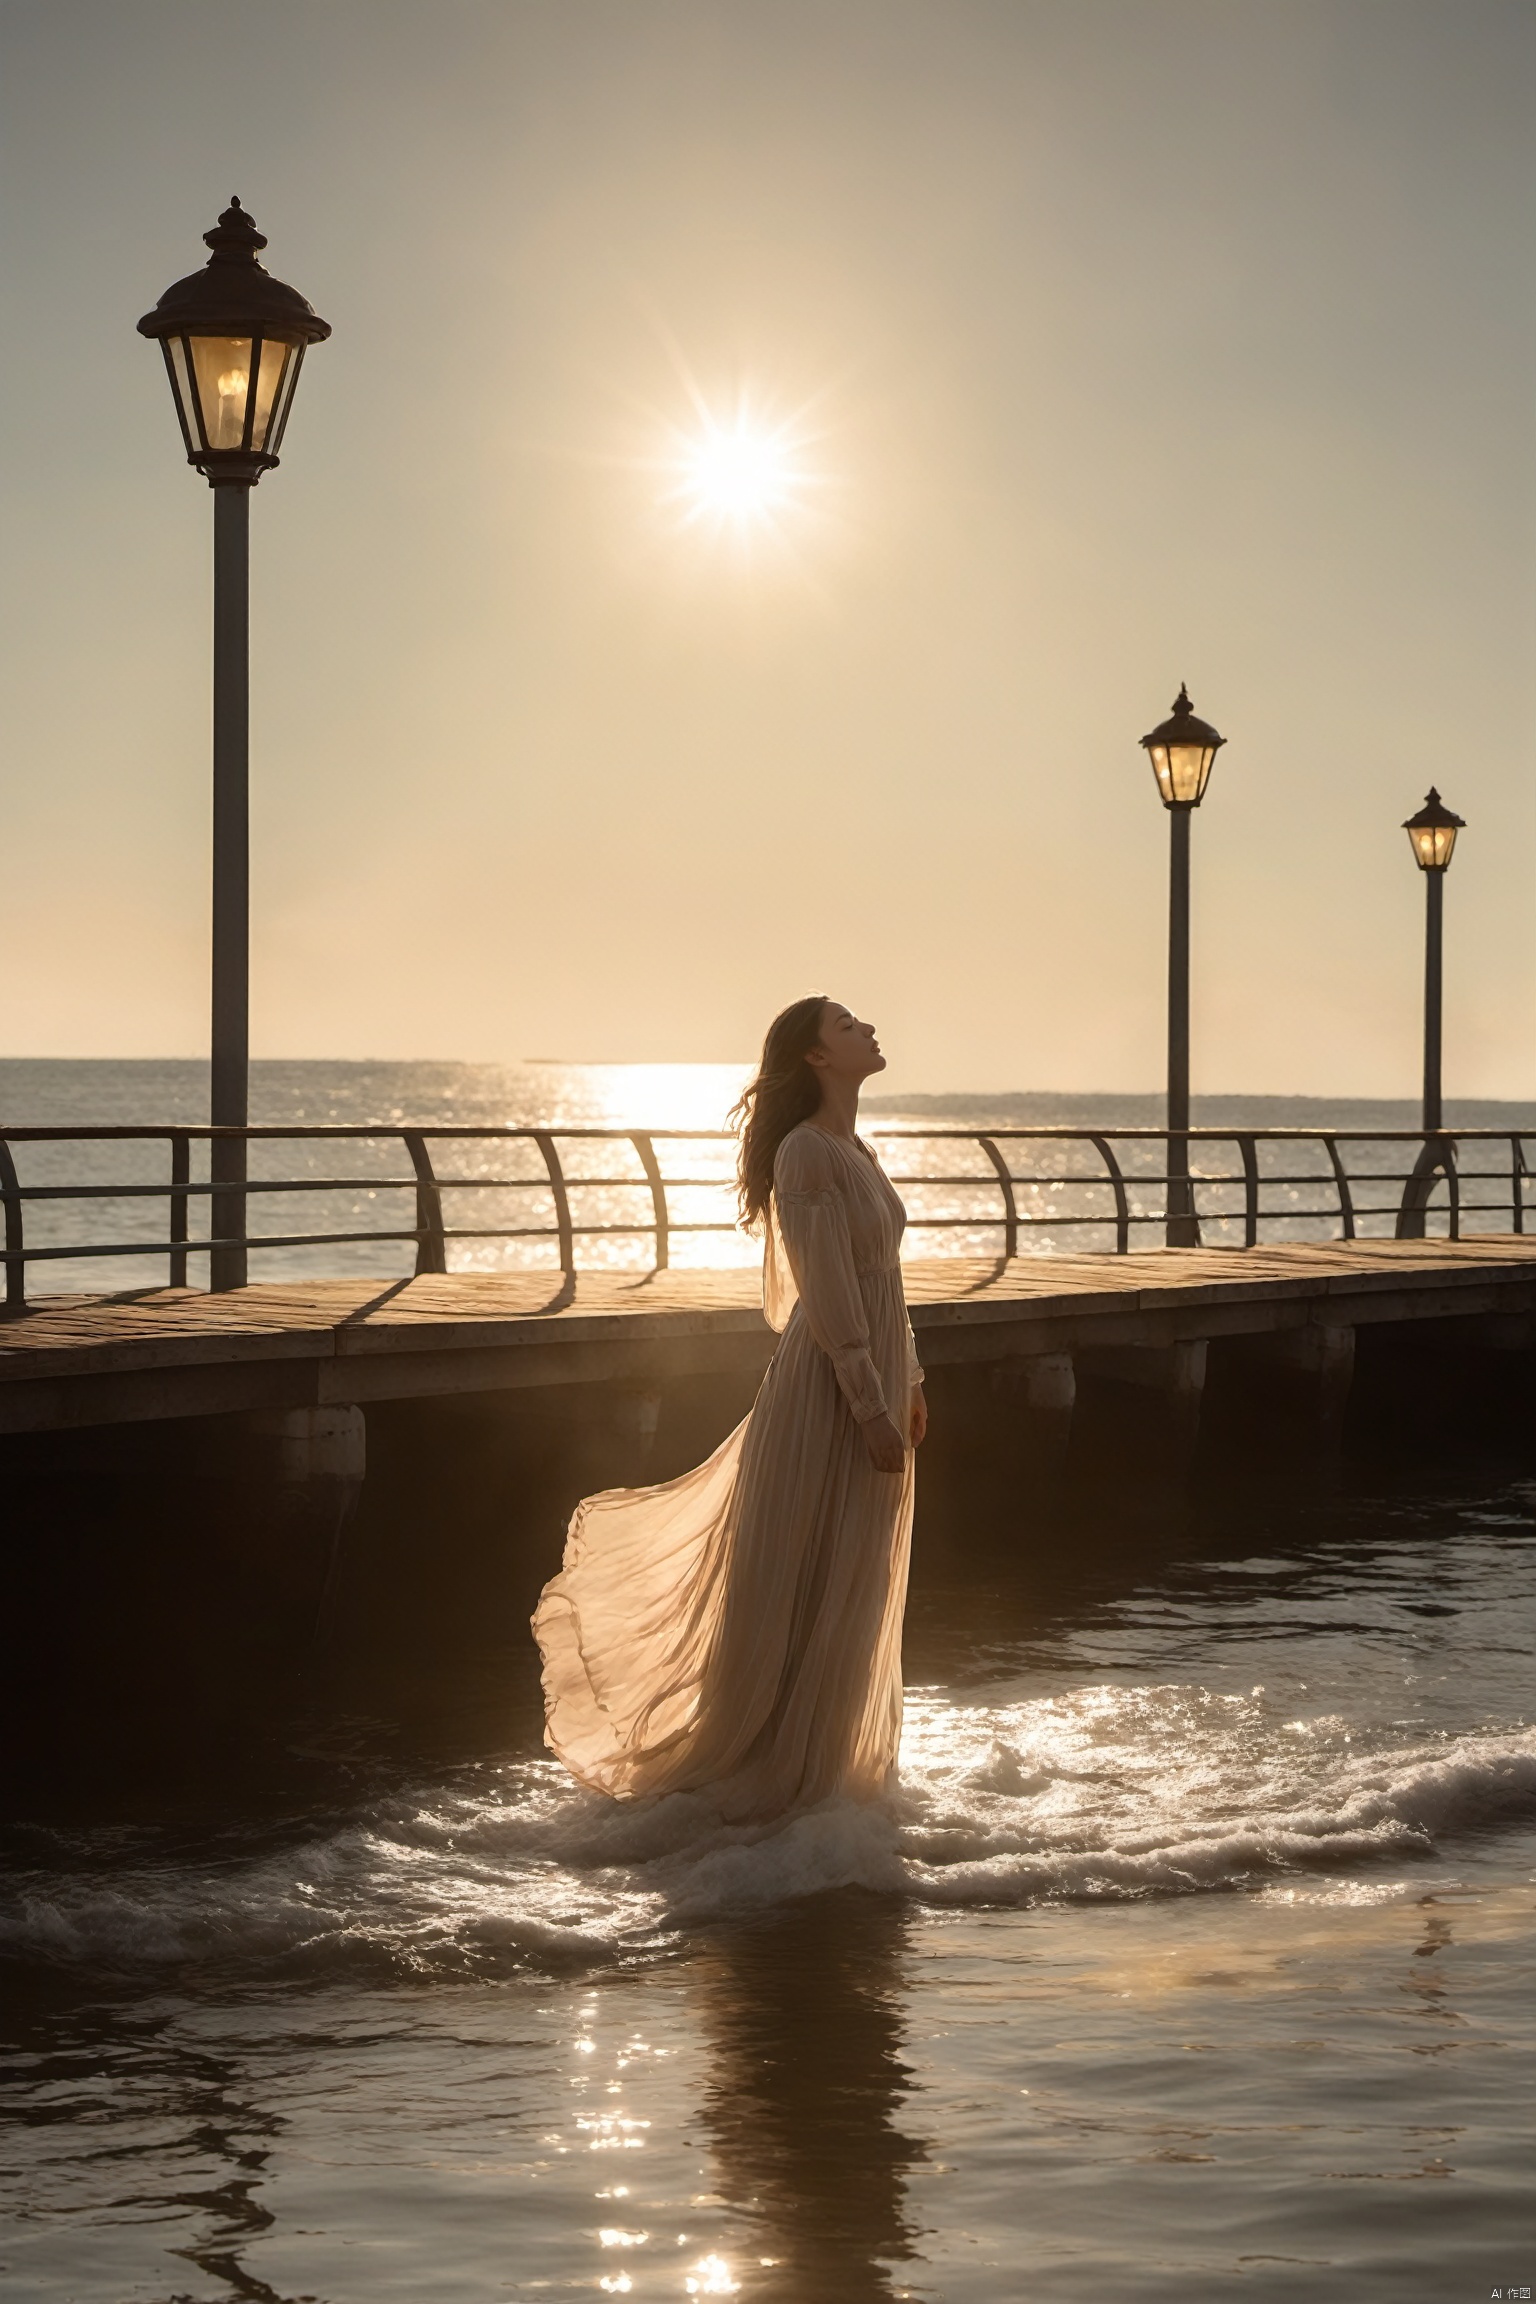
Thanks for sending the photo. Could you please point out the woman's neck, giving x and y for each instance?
(838, 1111)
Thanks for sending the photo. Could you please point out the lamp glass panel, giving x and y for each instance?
(1432, 845)
(1181, 771)
(222, 365)
(283, 398)
(275, 359)
(185, 389)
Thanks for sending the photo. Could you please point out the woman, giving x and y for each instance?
(739, 1630)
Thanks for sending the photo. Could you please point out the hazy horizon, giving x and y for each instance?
(1107, 348)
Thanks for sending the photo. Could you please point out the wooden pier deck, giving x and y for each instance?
(82, 1360)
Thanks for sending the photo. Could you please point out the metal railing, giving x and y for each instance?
(1117, 1180)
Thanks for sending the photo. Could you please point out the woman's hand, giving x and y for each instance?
(919, 1416)
(887, 1450)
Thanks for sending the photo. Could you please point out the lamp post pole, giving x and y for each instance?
(234, 340)
(1181, 750)
(1182, 1231)
(1432, 835)
(1434, 919)
(229, 1100)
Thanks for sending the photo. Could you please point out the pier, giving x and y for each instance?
(178, 1352)
(210, 1487)
(224, 1438)
(1251, 1311)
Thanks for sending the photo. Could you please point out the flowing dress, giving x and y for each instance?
(739, 1630)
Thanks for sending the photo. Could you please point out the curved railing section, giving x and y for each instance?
(446, 1198)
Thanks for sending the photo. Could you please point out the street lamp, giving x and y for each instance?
(1181, 750)
(1432, 833)
(234, 340)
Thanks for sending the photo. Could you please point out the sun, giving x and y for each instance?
(739, 472)
(736, 473)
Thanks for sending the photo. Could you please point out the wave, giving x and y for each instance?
(1405, 1817)
(1111, 1793)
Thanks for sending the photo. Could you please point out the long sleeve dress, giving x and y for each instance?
(739, 1630)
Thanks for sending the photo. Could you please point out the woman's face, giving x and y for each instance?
(845, 1048)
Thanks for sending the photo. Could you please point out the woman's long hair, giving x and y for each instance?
(785, 1092)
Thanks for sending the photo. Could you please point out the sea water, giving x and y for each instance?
(1190, 1958)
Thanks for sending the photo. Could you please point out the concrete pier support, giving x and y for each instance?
(638, 1416)
(1174, 1371)
(1138, 1415)
(309, 1465)
(1280, 1399)
(1032, 1397)
(308, 1444)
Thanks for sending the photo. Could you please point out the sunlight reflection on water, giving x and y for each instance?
(657, 1095)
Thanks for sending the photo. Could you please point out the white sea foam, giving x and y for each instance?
(1108, 1792)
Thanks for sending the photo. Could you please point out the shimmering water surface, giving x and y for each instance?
(1193, 1959)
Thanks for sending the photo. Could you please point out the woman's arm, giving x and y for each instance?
(813, 1219)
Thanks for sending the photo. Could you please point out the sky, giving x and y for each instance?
(1097, 345)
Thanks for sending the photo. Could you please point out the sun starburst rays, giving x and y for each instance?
(739, 472)
(742, 473)
(730, 475)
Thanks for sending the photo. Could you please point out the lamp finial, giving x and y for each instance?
(235, 239)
